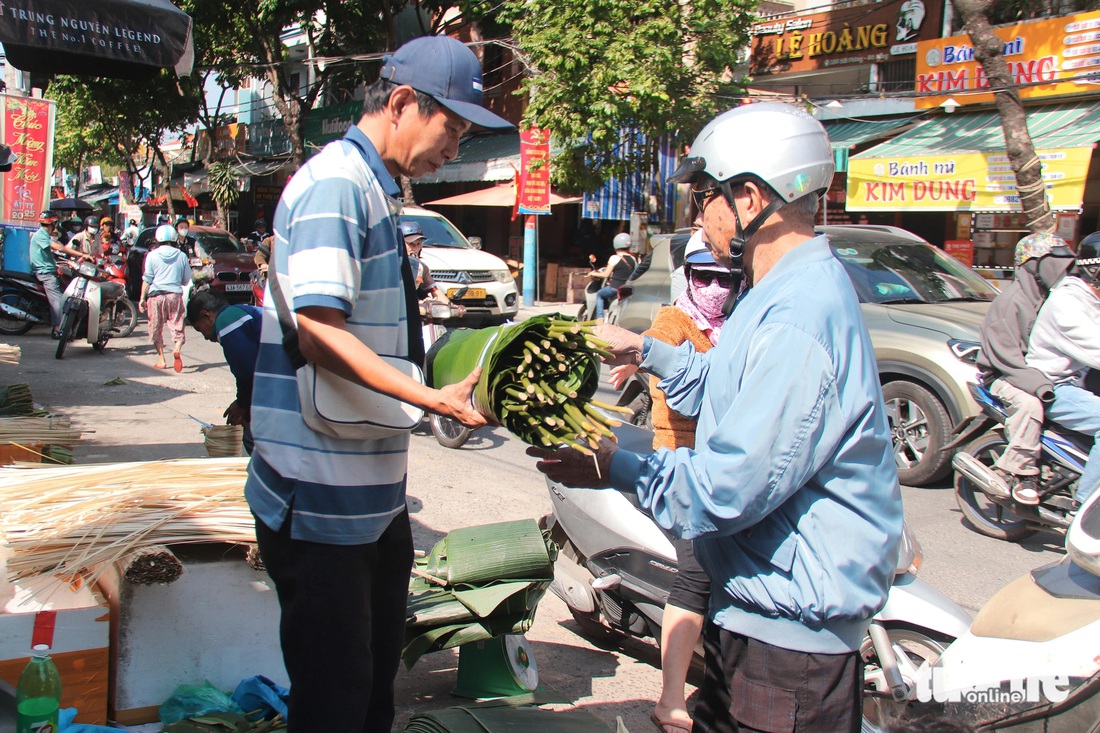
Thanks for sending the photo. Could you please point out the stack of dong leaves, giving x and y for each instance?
(538, 378)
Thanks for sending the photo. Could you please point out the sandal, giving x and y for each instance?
(675, 725)
(177, 362)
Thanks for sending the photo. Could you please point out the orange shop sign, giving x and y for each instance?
(962, 182)
(843, 34)
(1046, 58)
(27, 127)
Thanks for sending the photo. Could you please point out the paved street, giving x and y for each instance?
(490, 479)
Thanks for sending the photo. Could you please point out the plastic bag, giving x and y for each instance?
(260, 693)
(189, 701)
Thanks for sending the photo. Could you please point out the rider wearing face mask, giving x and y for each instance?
(696, 316)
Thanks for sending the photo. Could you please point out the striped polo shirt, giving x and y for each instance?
(337, 246)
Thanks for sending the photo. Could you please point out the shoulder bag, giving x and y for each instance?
(337, 407)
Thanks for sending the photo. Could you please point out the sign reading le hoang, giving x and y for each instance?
(961, 182)
(844, 34)
(1045, 57)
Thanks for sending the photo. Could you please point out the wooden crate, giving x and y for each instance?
(31, 453)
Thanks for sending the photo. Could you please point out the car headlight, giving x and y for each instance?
(502, 276)
(965, 351)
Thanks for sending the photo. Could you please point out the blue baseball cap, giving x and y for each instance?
(410, 229)
(448, 72)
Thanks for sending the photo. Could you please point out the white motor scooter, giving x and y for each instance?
(86, 310)
(1030, 662)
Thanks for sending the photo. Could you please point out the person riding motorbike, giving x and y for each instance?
(87, 241)
(44, 243)
(617, 271)
(1065, 344)
(422, 274)
(1041, 262)
(108, 238)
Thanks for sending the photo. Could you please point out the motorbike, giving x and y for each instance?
(611, 313)
(987, 508)
(124, 314)
(1028, 663)
(448, 432)
(23, 303)
(87, 310)
(616, 567)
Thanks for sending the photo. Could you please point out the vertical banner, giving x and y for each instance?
(534, 180)
(26, 126)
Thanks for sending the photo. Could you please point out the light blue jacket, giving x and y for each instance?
(167, 270)
(791, 492)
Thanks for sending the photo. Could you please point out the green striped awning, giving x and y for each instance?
(1055, 126)
(846, 134)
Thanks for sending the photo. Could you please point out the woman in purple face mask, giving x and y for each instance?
(696, 316)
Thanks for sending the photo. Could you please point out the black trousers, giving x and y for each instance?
(342, 625)
(753, 686)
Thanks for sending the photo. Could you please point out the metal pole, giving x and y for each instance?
(530, 260)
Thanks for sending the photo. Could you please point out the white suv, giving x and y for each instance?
(491, 297)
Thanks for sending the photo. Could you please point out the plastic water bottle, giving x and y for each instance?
(38, 696)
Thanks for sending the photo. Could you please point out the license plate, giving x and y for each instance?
(471, 294)
(237, 287)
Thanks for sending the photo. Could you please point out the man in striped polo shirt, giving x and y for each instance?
(331, 520)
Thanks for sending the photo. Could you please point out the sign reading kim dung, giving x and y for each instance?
(129, 39)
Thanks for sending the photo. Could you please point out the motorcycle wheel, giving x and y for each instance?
(919, 424)
(582, 314)
(64, 332)
(450, 433)
(981, 512)
(643, 416)
(126, 317)
(880, 710)
(13, 326)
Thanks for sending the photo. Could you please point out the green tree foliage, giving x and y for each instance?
(119, 122)
(598, 67)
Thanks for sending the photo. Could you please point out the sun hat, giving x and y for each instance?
(448, 72)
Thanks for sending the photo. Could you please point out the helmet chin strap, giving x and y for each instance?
(739, 239)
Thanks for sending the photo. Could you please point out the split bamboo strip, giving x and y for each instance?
(9, 354)
(50, 430)
(82, 519)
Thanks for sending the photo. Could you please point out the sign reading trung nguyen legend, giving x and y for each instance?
(27, 127)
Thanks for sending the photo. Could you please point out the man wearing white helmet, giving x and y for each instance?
(617, 271)
(791, 493)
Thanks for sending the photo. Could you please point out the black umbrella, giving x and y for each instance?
(126, 39)
(70, 205)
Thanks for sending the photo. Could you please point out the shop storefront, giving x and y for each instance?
(953, 168)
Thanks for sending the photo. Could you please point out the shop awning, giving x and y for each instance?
(957, 162)
(481, 158)
(496, 196)
(847, 134)
(125, 39)
(1055, 126)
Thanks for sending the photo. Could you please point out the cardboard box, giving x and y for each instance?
(80, 641)
(218, 622)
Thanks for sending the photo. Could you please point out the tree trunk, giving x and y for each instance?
(223, 220)
(407, 191)
(989, 50)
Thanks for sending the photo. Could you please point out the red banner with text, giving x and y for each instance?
(27, 127)
(534, 180)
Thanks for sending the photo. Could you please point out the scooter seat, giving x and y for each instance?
(17, 275)
(111, 290)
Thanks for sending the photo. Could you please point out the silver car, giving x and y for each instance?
(922, 308)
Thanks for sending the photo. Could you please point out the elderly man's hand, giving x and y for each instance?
(456, 401)
(626, 346)
(570, 467)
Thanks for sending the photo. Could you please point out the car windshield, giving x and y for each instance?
(218, 243)
(908, 272)
(438, 232)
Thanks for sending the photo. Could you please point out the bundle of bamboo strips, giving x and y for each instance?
(9, 354)
(82, 519)
(223, 441)
(15, 399)
(49, 430)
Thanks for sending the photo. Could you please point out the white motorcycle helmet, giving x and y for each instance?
(772, 142)
(165, 233)
(621, 241)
